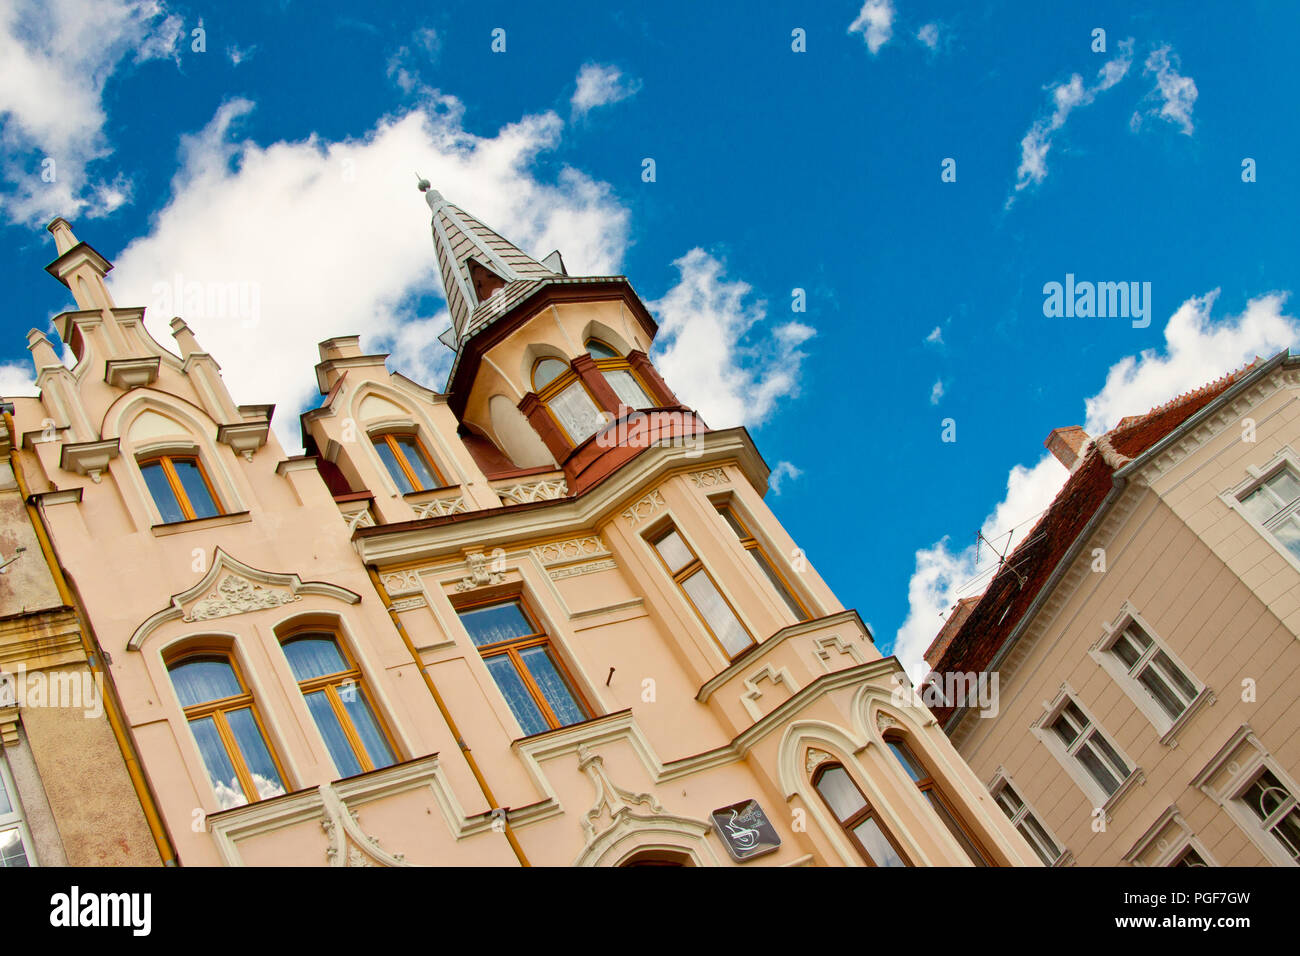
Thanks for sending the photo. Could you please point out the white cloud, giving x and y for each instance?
(929, 35)
(936, 392)
(935, 337)
(333, 238)
(58, 56)
(1197, 350)
(708, 351)
(238, 54)
(875, 22)
(1066, 97)
(784, 471)
(406, 66)
(600, 85)
(1177, 93)
(16, 379)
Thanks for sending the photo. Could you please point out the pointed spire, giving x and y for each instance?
(475, 262)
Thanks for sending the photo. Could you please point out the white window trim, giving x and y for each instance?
(1285, 457)
(16, 819)
(1003, 779)
(1244, 755)
(1042, 729)
(1167, 727)
(1170, 836)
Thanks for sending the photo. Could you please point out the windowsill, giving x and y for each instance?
(198, 524)
(415, 496)
(1206, 696)
(1132, 780)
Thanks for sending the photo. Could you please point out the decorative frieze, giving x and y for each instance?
(709, 477)
(648, 506)
(441, 507)
(402, 582)
(574, 549)
(575, 570)
(547, 489)
(410, 604)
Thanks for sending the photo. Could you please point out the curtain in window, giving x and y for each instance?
(516, 694)
(626, 388)
(716, 612)
(500, 622)
(577, 413)
(313, 657)
(201, 681)
(553, 686)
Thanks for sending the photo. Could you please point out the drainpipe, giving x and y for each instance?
(94, 658)
(446, 714)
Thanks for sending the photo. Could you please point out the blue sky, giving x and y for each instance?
(283, 156)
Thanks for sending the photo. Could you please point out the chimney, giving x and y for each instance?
(934, 653)
(1067, 444)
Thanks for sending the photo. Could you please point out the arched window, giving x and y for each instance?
(925, 782)
(568, 400)
(407, 462)
(180, 487)
(618, 373)
(220, 710)
(856, 816)
(331, 684)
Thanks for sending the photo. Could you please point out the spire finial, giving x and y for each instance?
(421, 183)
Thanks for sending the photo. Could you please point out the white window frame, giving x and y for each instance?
(1243, 757)
(15, 820)
(1286, 457)
(1167, 727)
(1001, 780)
(1165, 841)
(1066, 756)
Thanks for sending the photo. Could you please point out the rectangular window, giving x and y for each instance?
(1274, 805)
(407, 462)
(521, 660)
(1150, 671)
(180, 488)
(695, 582)
(1085, 751)
(577, 413)
(14, 840)
(1023, 819)
(750, 544)
(1275, 504)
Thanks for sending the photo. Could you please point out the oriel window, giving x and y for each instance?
(180, 487)
(750, 544)
(226, 726)
(619, 374)
(567, 399)
(525, 666)
(695, 582)
(925, 782)
(339, 703)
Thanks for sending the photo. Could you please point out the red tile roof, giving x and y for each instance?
(988, 625)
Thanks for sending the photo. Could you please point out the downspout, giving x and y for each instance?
(446, 714)
(94, 658)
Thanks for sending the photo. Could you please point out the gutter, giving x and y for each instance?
(1120, 480)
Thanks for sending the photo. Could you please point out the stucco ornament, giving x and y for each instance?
(483, 570)
(236, 595)
(611, 799)
(815, 759)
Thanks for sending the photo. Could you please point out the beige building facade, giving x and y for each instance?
(544, 617)
(1144, 637)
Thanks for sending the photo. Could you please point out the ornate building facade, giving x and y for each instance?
(542, 618)
(1145, 639)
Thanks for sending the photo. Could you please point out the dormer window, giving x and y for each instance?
(569, 402)
(180, 488)
(407, 462)
(618, 373)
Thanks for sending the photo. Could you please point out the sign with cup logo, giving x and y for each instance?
(745, 830)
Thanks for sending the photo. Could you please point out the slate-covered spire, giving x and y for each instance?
(475, 263)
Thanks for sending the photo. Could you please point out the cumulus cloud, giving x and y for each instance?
(330, 238)
(716, 349)
(16, 378)
(929, 35)
(58, 56)
(875, 22)
(1065, 98)
(1197, 349)
(237, 54)
(1173, 96)
(935, 337)
(936, 392)
(783, 472)
(600, 85)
